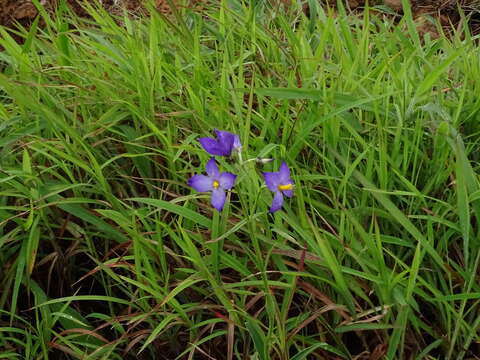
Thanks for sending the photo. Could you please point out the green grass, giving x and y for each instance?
(106, 253)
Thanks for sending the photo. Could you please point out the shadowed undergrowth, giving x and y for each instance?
(106, 253)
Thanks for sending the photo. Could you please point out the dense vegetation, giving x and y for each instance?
(107, 253)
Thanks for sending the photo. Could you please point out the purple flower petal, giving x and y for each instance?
(237, 145)
(227, 180)
(272, 180)
(288, 193)
(277, 202)
(284, 174)
(225, 143)
(225, 137)
(213, 147)
(218, 199)
(201, 183)
(228, 140)
(212, 168)
(281, 184)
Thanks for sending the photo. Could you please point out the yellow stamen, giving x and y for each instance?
(216, 184)
(285, 187)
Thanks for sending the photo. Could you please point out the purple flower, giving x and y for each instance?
(281, 184)
(216, 182)
(225, 143)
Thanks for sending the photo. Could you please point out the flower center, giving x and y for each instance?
(285, 187)
(215, 184)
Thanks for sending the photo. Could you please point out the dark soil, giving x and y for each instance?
(24, 11)
(446, 11)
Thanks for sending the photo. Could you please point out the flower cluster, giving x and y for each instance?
(216, 182)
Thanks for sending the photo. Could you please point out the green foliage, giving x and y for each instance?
(107, 254)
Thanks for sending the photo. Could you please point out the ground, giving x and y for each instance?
(24, 11)
(447, 11)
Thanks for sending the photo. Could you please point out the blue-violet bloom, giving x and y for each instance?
(214, 181)
(281, 184)
(225, 143)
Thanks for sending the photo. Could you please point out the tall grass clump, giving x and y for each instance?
(107, 253)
